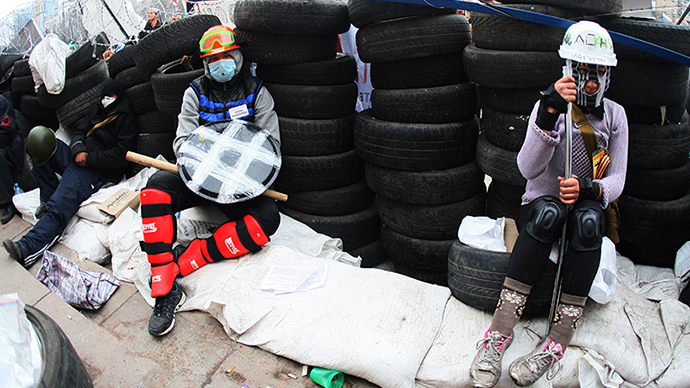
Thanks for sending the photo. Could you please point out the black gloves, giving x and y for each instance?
(545, 119)
(588, 189)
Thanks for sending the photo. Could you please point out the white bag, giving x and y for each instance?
(47, 63)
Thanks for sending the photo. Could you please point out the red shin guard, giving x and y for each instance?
(230, 240)
(159, 234)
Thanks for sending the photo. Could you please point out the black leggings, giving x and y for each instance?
(262, 208)
(530, 256)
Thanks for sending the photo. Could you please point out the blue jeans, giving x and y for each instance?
(63, 198)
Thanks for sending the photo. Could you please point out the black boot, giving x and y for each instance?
(9, 213)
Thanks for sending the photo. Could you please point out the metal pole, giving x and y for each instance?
(114, 18)
(685, 13)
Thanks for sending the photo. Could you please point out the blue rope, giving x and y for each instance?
(553, 21)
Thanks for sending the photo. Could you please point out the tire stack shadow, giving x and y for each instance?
(418, 140)
(294, 46)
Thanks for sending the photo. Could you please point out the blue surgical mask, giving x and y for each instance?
(222, 70)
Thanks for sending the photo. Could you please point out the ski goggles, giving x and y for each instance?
(216, 41)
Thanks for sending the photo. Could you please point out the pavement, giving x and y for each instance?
(114, 344)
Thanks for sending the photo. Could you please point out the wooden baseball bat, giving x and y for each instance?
(161, 165)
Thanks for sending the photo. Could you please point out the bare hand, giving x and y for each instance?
(569, 190)
(567, 88)
(80, 159)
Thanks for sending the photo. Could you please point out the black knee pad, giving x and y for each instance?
(586, 228)
(547, 219)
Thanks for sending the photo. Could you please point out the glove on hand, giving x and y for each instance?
(588, 189)
(545, 119)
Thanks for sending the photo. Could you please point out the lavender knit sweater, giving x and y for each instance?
(541, 159)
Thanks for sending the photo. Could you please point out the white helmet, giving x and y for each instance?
(588, 42)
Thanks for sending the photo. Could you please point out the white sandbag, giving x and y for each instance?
(84, 237)
(47, 63)
(124, 235)
(27, 203)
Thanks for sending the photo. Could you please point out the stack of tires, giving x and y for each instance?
(418, 140)
(24, 98)
(511, 61)
(142, 67)
(655, 205)
(294, 46)
(7, 74)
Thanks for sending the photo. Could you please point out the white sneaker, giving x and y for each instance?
(527, 369)
(485, 370)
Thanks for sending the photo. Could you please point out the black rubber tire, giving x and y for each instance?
(433, 187)
(504, 130)
(514, 101)
(413, 38)
(154, 144)
(441, 104)
(498, 32)
(655, 115)
(655, 223)
(476, 276)
(268, 48)
(299, 137)
(131, 77)
(39, 115)
(364, 12)
(338, 71)
(23, 124)
(7, 62)
(314, 102)
(658, 146)
(335, 202)
(371, 254)
(658, 185)
(355, 230)
(643, 254)
(169, 83)
(416, 253)
(86, 55)
(438, 278)
(499, 164)
(317, 173)
(429, 222)
(313, 17)
(424, 72)
(415, 147)
(172, 41)
(74, 86)
(648, 83)
(668, 35)
(75, 110)
(588, 7)
(141, 98)
(62, 366)
(156, 122)
(21, 68)
(512, 69)
(503, 200)
(123, 59)
(23, 85)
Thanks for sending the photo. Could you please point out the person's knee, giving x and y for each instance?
(546, 220)
(586, 228)
(268, 216)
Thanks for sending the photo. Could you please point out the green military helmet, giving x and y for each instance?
(41, 144)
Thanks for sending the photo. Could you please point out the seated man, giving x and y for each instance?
(96, 156)
(11, 157)
(222, 93)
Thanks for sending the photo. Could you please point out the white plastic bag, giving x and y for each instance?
(483, 233)
(47, 63)
(20, 360)
(682, 266)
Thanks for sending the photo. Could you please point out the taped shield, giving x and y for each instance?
(229, 161)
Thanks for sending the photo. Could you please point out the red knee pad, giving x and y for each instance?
(159, 234)
(194, 257)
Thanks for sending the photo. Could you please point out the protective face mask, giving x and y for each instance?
(222, 70)
(107, 100)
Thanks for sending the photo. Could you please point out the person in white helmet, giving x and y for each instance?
(551, 200)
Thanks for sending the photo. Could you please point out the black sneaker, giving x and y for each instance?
(163, 318)
(15, 251)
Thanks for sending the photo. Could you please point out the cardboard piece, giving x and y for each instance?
(118, 202)
(510, 234)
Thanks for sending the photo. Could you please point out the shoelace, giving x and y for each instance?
(544, 358)
(165, 304)
(489, 344)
